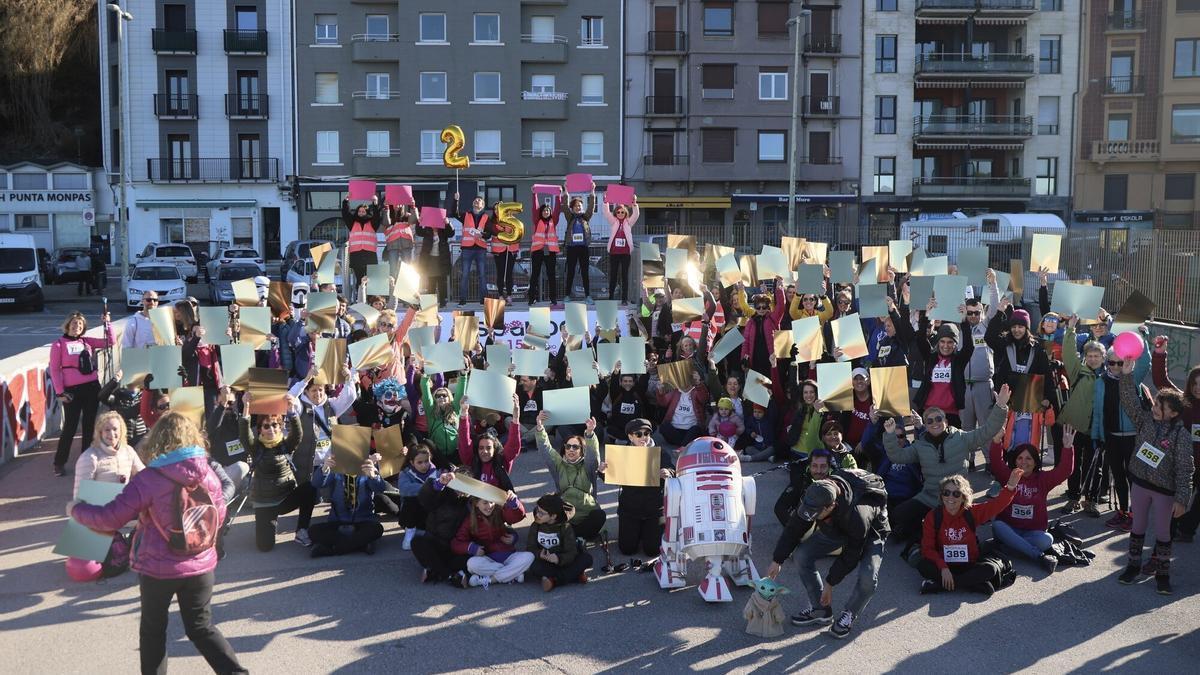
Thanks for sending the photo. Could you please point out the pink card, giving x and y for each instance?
(619, 194)
(544, 189)
(432, 216)
(398, 195)
(579, 182)
(362, 189)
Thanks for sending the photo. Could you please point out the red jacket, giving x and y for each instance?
(1028, 510)
(700, 398)
(956, 533)
(770, 325)
(487, 537)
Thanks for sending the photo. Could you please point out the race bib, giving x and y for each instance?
(531, 405)
(234, 448)
(323, 446)
(547, 540)
(577, 238)
(1022, 511)
(74, 348)
(619, 242)
(955, 554)
(1196, 433)
(1150, 455)
(676, 327)
(980, 343)
(941, 374)
(627, 408)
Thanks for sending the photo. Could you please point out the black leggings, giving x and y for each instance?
(618, 273)
(266, 518)
(966, 575)
(195, 606)
(906, 519)
(590, 525)
(639, 532)
(1086, 471)
(437, 558)
(84, 398)
(504, 273)
(543, 262)
(1117, 452)
(561, 574)
(329, 534)
(577, 256)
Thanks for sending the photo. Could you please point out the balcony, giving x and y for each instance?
(973, 126)
(822, 168)
(213, 170)
(666, 42)
(547, 162)
(664, 106)
(176, 106)
(1117, 22)
(246, 106)
(1125, 151)
(245, 42)
(543, 49)
(958, 187)
(821, 106)
(957, 65)
(543, 105)
(827, 43)
(1124, 85)
(981, 8)
(664, 168)
(372, 48)
(375, 105)
(376, 162)
(173, 41)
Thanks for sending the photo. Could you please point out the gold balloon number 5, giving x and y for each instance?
(509, 228)
(455, 141)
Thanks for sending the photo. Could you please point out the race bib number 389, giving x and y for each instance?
(955, 554)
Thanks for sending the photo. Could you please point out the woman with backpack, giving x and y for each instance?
(73, 366)
(174, 559)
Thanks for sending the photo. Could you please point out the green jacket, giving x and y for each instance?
(956, 447)
(1078, 410)
(443, 433)
(575, 482)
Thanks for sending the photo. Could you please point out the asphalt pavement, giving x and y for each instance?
(286, 613)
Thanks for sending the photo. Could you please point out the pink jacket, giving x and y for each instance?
(151, 491)
(625, 228)
(770, 324)
(64, 359)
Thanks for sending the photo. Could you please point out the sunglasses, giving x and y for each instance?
(573, 446)
(149, 299)
(387, 325)
(1115, 363)
(1050, 319)
(975, 313)
(272, 425)
(951, 493)
(638, 434)
(762, 307)
(163, 406)
(935, 419)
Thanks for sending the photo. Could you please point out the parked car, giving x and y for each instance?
(20, 279)
(302, 271)
(163, 278)
(64, 268)
(301, 249)
(179, 255)
(238, 254)
(220, 286)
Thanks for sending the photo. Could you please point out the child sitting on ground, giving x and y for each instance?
(485, 535)
(559, 558)
(352, 524)
(419, 470)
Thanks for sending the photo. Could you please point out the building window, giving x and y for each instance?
(591, 89)
(542, 84)
(717, 145)
(29, 181)
(1046, 182)
(1051, 5)
(433, 87)
(67, 181)
(250, 156)
(1187, 6)
(1187, 57)
(487, 87)
(772, 84)
(1118, 127)
(718, 19)
(885, 114)
(1050, 54)
(591, 31)
(1185, 124)
(432, 28)
(1178, 186)
(1116, 192)
(487, 145)
(377, 28)
(379, 86)
(487, 28)
(431, 146)
(326, 90)
(716, 80)
(885, 176)
(772, 146)
(379, 143)
(32, 221)
(886, 6)
(773, 18)
(326, 29)
(179, 155)
(114, 83)
(885, 53)
(1047, 119)
(500, 193)
(541, 29)
(327, 147)
(542, 144)
(591, 147)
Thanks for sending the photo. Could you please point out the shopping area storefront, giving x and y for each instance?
(54, 204)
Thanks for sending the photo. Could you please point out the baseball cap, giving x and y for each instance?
(817, 497)
(860, 371)
(637, 424)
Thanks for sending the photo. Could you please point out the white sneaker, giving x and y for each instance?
(408, 537)
(477, 581)
(302, 538)
(520, 579)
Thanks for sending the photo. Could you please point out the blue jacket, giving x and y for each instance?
(294, 350)
(764, 427)
(902, 480)
(1125, 424)
(364, 509)
(409, 483)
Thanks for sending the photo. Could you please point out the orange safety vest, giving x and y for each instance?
(499, 247)
(472, 235)
(544, 236)
(399, 230)
(362, 238)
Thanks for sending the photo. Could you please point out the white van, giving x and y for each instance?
(20, 273)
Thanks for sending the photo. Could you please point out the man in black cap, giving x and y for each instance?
(640, 509)
(849, 510)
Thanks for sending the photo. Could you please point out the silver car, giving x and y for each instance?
(220, 286)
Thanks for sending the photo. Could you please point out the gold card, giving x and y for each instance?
(728, 271)
(889, 390)
(898, 252)
(882, 257)
(848, 335)
(165, 361)
(318, 253)
(372, 352)
(492, 389)
(256, 326)
(135, 366)
(369, 314)
(466, 332)
(793, 251)
(749, 267)
(677, 373)
(783, 344)
(685, 241)
(1045, 252)
(493, 312)
(279, 299)
(758, 388)
(477, 488)
(389, 443)
(730, 341)
(772, 262)
(835, 386)
(351, 446)
(215, 321)
(408, 285)
(245, 292)
(236, 362)
(162, 321)
(379, 280)
(1017, 278)
(268, 391)
(568, 406)
(632, 466)
(816, 252)
(327, 271)
(581, 363)
(330, 356)
(687, 309)
(189, 402)
(320, 315)
(606, 314)
(808, 338)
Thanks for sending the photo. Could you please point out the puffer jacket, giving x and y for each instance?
(576, 483)
(445, 510)
(956, 446)
(274, 473)
(153, 492)
(1173, 474)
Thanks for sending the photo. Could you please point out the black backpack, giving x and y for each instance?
(864, 487)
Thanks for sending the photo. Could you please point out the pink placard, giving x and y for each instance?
(362, 189)
(432, 216)
(619, 194)
(398, 195)
(579, 182)
(544, 189)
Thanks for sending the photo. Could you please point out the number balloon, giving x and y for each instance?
(510, 228)
(454, 139)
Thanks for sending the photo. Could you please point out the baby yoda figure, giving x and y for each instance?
(764, 616)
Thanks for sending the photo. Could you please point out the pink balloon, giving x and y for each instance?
(1128, 346)
(83, 570)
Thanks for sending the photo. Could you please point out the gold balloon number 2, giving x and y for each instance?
(455, 141)
(510, 228)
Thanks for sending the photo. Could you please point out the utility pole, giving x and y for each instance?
(122, 159)
(798, 21)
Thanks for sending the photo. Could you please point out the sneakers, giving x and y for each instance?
(1130, 574)
(986, 589)
(459, 579)
(1071, 506)
(547, 584)
(477, 581)
(1164, 584)
(1090, 509)
(929, 587)
(1121, 520)
(822, 615)
(408, 537)
(583, 577)
(1151, 567)
(519, 580)
(1049, 563)
(302, 538)
(841, 628)
(59, 471)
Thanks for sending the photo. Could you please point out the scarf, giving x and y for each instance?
(270, 444)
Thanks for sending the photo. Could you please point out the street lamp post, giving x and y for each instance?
(122, 159)
(797, 21)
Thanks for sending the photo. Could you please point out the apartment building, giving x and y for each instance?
(709, 117)
(205, 102)
(1139, 132)
(536, 86)
(968, 105)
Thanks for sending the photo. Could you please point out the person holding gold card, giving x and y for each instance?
(483, 455)
(685, 416)
(759, 333)
(201, 366)
(441, 411)
(275, 488)
(352, 524)
(640, 508)
(318, 413)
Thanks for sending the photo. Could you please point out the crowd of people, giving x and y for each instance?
(1039, 403)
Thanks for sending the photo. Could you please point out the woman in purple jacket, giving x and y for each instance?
(73, 366)
(175, 456)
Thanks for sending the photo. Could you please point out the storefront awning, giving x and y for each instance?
(800, 199)
(683, 202)
(194, 203)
